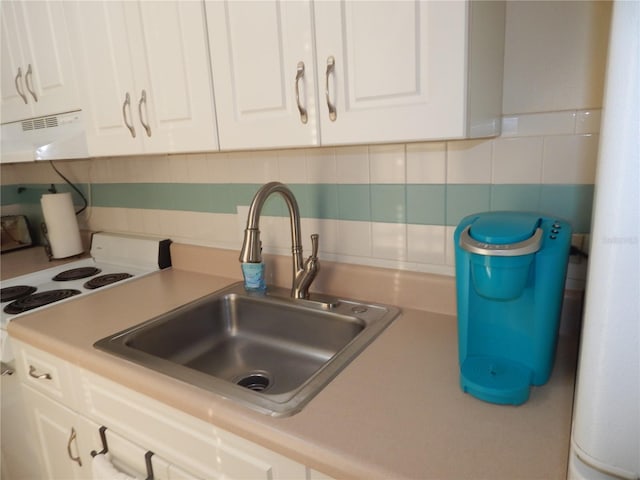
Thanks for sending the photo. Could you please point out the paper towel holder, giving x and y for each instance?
(105, 449)
(47, 244)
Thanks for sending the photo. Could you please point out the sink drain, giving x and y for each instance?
(256, 381)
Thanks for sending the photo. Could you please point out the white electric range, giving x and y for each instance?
(115, 258)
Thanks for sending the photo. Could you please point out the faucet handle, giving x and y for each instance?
(314, 245)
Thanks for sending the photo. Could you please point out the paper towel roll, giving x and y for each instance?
(60, 219)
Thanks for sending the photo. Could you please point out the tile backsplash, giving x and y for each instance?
(384, 205)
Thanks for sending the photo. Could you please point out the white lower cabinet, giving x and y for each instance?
(67, 428)
(59, 435)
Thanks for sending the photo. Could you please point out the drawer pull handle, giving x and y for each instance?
(72, 439)
(39, 376)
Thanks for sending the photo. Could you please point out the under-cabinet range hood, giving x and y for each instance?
(52, 137)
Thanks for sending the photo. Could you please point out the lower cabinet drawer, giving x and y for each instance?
(191, 445)
(45, 373)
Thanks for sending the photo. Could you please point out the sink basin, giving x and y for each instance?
(268, 352)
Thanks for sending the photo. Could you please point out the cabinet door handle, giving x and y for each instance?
(27, 82)
(18, 82)
(125, 105)
(331, 66)
(72, 439)
(301, 109)
(143, 99)
(39, 376)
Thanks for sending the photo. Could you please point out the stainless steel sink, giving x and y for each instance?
(269, 352)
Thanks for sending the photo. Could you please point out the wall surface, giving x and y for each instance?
(384, 205)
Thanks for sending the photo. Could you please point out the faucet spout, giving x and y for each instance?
(251, 252)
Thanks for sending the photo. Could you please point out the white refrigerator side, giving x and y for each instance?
(606, 425)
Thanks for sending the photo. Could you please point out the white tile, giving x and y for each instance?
(134, 219)
(242, 212)
(99, 170)
(252, 167)
(221, 228)
(177, 169)
(149, 169)
(387, 164)
(510, 125)
(328, 235)
(321, 165)
(426, 244)
(588, 121)
(389, 240)
(550, 123)
(292, 166)
(450, 253)
(275, 233)
(9, 174)
(517, 160)
(427, 162)
(352, 164)
(198, 168)
(218, 165)
(469, 161)
(108, 219)
(570, 159)
(151, 222)
(354, 238)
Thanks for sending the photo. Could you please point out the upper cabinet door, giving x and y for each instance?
(172, 73)
(145, 77)
(104, 58)
(37, 70)
(391, 70)
(263, 72)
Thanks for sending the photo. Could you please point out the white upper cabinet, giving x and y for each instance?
(399, 70)
(384, 71)
(144, 76)
(263, 73)
(36, 66)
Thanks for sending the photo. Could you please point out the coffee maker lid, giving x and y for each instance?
(504, 227)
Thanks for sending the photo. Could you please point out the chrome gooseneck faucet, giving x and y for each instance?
(303, 272)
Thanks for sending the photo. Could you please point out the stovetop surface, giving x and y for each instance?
(43, 281)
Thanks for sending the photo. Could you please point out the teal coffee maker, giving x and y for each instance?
(510, 275)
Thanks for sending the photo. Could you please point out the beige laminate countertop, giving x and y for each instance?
(395, 412)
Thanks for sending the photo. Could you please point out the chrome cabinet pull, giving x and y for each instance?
(127, 103)
(27, 82)
(18, 82)
(72, 438)
(143, 99)
(301, 109)
(38, 376)
(331, 66)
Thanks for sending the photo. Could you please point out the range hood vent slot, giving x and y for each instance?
(38, 123)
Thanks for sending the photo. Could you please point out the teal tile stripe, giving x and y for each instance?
(423, 204)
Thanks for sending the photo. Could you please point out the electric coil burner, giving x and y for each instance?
(104, 280)
(76, 274)
(115, 260)
(9, 294)
(35, 300)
